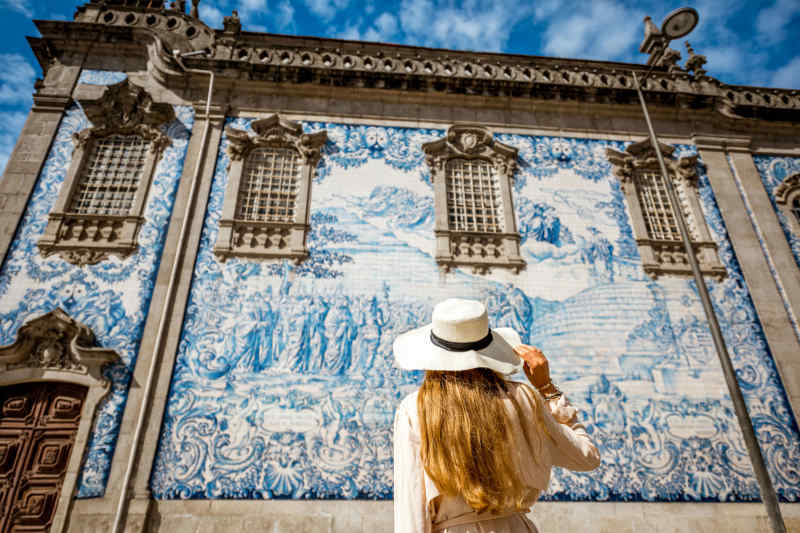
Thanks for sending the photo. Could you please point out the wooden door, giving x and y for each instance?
(38, 423)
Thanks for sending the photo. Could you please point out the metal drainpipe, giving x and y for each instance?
(162, 326)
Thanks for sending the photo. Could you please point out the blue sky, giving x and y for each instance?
(746, 42)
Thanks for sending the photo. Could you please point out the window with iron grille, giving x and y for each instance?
(473, 196)
(472, 176)
(101, 203)
(659, 217)
(111, 176)
(268, 190)
(653, 215)
(796, 209)
(266, 210)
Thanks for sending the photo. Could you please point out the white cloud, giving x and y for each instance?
(250, 11)
(476, 25)
(23, 6)
(284, 15)
(602, 30)
(788, 76)
(383, 29)
(350, 33)
(11, 123)
(258, 15)
(16, 79)
(327, 9)
(772, 22)
(211, 15)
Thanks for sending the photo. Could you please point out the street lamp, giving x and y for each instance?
(676, 25)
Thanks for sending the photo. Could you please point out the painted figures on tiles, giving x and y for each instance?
(284, 385)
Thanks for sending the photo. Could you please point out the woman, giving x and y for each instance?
(473, 452)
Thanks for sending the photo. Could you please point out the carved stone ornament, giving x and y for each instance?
(471, 142)
(787, 198)
(783, 191)
(695, 62)
(87, 238)
(57, 342)
(660, 256)
(275, 132)
(641, 156)
(126, 109)
(268, 239)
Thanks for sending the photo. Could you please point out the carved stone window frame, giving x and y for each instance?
(56, 348)
(666, 257)
(479, 250)
(271, 239)
(786, 193)
(87, 239)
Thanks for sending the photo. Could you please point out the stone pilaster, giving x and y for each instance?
(756, 238)
(172, 306)
(31, 150)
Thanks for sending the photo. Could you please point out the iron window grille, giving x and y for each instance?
(265, 214)
(475, 225)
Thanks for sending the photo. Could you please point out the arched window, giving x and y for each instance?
(265, 214)
(101, 203)
(475, 223)
(796, 209)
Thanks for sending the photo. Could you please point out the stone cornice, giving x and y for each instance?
(256, 57)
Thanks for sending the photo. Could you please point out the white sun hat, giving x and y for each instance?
(458, 338)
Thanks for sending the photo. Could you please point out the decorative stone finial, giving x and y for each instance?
(195, 13)
(695, 62)
(650, 28)
(232, 24)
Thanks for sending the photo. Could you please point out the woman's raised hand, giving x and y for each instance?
(536, 366)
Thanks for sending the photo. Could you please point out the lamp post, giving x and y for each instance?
(677, 24)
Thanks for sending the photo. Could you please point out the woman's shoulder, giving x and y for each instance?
(519, 389)
(409, 403)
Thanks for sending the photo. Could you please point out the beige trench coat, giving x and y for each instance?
(420, 508)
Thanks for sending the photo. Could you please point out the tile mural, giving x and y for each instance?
(284, 385)
(112, 297)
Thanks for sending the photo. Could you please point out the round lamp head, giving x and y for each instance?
(679, 23)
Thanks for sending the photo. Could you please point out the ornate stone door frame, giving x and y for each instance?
(56, 348)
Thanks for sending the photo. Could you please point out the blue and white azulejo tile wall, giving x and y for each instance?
(112, 297)
(284, 384)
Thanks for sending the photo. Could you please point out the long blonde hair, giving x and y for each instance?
(467, 438)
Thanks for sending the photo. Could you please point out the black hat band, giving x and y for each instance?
(461, 346)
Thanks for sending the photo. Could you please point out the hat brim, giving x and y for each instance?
(414, 350)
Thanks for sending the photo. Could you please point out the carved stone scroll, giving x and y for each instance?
(787, 198)
(56, 342)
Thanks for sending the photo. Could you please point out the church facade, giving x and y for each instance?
(210, 239)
